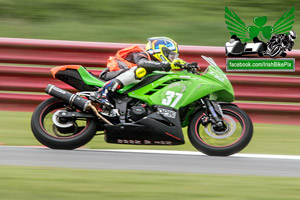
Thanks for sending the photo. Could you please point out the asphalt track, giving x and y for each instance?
(163, 161)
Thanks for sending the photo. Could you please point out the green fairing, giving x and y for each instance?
(191, 86)
(177, 89)
(89, 79)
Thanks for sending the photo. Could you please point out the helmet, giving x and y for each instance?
(162, 48)
(292, 35)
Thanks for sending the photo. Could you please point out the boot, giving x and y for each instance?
(110, 86)
(103, 100)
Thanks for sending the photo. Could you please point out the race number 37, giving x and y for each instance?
(171, 99)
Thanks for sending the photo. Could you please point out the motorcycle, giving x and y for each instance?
(151, 112)
(235, 48)
(278, 45)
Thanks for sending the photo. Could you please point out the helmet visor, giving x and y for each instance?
(171, 55)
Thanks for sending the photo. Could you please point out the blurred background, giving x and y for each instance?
(188, 22)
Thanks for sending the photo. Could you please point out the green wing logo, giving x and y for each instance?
(237, 27)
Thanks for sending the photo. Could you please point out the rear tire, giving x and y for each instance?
(47, 133)
(235, 138)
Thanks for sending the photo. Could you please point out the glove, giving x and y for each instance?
(178, 63)
(193, 67)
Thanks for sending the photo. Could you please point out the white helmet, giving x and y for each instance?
(292, 35)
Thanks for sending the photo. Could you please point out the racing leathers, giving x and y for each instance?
(281, 40)
(128, 70)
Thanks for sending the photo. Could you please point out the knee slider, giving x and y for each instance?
(140, 72)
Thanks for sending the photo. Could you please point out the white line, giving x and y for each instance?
(194, 153)
(171, 152)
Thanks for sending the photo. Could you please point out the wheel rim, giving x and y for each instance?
(50, 127)
(275, 51)
(234, 132)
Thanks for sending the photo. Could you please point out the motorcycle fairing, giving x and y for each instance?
(160, 88)
(78, 77)
(189, 86)
(147, 80)
(63, 68)
(158, 128)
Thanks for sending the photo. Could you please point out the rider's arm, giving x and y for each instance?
(141, 59)
(151, 65)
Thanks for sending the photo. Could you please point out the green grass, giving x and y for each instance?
(29, 183)
(268, 138)
(188, 22)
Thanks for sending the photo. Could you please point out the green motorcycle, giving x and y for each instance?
(151, 112)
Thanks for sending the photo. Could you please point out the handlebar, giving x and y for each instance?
(190, 67)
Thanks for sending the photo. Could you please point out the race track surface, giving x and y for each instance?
(185, 162)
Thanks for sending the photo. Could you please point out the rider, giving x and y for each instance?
(131, 64)
(283, 39)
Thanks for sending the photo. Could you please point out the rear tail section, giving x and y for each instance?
(77, 76)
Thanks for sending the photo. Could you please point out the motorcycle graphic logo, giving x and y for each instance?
(237, 27)
(267, 40)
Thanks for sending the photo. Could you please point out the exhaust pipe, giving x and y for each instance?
(74, 100)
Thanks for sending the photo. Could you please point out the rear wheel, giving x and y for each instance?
(60, 133)
(232, 139)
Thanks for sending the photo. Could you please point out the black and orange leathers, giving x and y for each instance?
(139, 59)
(121, 70)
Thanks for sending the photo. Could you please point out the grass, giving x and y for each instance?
(29, 183)
(188, 22)
(268, 138)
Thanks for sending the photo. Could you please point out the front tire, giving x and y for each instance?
(235, 138)
(275, 52)
(78, 133)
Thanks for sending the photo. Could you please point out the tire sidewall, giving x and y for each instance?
(59, 143)
(221, 151)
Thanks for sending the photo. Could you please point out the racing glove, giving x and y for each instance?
(178, 64)
(192, 67)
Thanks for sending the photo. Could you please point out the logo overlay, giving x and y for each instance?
(261, 40)
(236, 26)
(259, 64)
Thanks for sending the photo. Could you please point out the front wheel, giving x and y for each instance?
(234, 138)
(59, 133)
(275, 51)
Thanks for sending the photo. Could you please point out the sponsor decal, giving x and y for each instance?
(147, 142)
(124, 141)
(167, 113)
(163, 142)
(220, 77)
(140, 142)
(59, 90)
(184, 77)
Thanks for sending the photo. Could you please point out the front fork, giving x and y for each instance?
(215, 110)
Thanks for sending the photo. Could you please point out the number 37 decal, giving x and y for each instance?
(172, 98)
